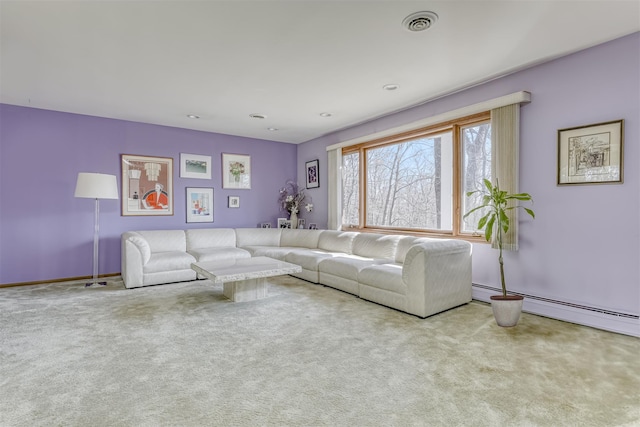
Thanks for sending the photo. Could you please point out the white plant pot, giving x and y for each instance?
(506, 310)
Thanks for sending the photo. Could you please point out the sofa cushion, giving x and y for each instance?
(376, 245)
(168, 261)
(222, 253)
(309, 259)
(257, 237)
(337, 241)
(200, 238)
(165, 240)
(347, 266)
(300, 238)
(274, 252)
(384, 276)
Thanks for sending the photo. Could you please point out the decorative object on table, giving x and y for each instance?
(236, 171)
(313, 226)
(591, 154)
(313, 174)
(301, 222)
(96, 186)
(265, 225)
(195, 166)
(284, 223)
(234, 201)
(147, 185)
(291, 200)
(495, 224)
(199, 204)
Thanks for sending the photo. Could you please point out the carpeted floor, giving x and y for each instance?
(183, 355)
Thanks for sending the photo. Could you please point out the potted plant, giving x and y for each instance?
(495, 223)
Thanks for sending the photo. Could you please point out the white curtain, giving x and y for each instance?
(334, 203)
(505, 143)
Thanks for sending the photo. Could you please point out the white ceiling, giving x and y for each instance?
(158, 61)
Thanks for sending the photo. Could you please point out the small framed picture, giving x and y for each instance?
(234, 201)
(284, 223)
(199, 204)
(591, 154)
(265, 225)
(313, 175)
(301, 223)
(195, 166)
(313, 226)
(236, 171)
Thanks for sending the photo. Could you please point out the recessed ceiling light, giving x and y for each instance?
(325, 114)
(193, 116)
(272, 129)
(419, 21)
(390, 87)
(257, 116)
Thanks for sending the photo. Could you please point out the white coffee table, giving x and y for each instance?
(244, 279)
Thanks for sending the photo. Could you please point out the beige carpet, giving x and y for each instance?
(183, 355)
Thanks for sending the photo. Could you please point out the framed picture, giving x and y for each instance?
(236, 171)
(199, 204)
(147, 185)
(284, 223)
(313, 226)
(313, 175)
(195, 166)
(234, 201)
(591, 154)
(301, 222)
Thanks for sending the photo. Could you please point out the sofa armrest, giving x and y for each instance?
(437, 275)
(135, 254)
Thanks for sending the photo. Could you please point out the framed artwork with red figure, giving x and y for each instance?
(147, 185)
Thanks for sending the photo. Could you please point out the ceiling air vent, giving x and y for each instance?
(419, 21)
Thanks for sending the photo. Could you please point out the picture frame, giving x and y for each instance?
(301, 222)
(236, 171)
(313, 226)
(195, 166)
(199, 204)
(284, 223)
(234, 201)
(312, 174)
(591, 154)
(147, 185)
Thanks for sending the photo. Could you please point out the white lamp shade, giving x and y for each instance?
(96, 186)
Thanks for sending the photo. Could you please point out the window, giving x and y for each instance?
(416, 182)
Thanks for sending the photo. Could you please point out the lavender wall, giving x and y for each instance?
(46, 233)
(584, 246)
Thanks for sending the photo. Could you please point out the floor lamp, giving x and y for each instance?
(96, 186)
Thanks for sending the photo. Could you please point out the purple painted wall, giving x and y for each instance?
(584, 246)
(46, 233)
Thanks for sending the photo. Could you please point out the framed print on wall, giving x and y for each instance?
(199, 204)
(147, 185)
(234, 201)
(195, 166)
(236, 171)
(591, 154)
(313, 175)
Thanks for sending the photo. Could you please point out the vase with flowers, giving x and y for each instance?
(291, 199)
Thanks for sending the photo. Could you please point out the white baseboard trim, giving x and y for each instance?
(622, 324)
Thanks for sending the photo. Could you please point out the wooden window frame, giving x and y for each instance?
(455, 127)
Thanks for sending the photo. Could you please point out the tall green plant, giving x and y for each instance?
(496, 222)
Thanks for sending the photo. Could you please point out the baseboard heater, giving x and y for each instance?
(564, 303)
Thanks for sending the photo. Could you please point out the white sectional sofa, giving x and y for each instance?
(420, 276)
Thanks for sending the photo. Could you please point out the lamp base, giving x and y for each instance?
(90, 284)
